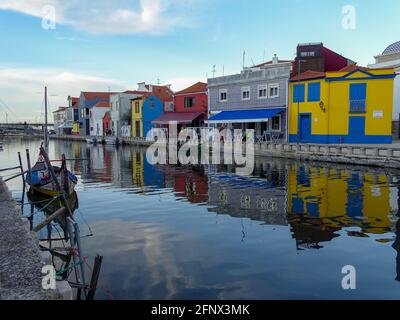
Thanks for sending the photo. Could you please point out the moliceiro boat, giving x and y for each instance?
(42, 181)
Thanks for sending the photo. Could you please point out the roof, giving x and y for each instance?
(393, 48)
(353, 67)
(164, 93)
(308, 75)
(270, 62)
(93, 95)
(102, 104)
(179, 117)
(60, 109)
(253, 115)
(197, 87)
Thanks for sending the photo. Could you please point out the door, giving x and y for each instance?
(137, 129)
(305, 128)
(356, 129)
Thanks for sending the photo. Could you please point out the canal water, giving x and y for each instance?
(172, 232)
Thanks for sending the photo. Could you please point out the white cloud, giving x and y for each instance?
(181, 83)
(112, 17)
(22, 89)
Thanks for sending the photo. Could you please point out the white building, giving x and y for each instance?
(96, 114)
(59, 118)
(390, 58)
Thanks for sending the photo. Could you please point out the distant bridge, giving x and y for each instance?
(22, 124)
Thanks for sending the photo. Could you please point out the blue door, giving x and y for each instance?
(356, 130)
(305, 128)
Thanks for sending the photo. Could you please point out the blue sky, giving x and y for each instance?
(116, 44)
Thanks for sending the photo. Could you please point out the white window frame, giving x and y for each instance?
(280, 124)
(262, 87)
(245, 89)
(219, 95)
(273, 85)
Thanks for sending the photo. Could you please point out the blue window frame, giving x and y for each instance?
(314, 92)
(298, 92)
(358, 97)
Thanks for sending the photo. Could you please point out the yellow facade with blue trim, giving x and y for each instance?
(337, 199)
(342, 107)
(137, 117)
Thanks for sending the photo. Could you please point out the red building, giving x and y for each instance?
(316, 57)
(107, 124)
(189, 109)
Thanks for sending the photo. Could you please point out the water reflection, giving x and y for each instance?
(203, 232)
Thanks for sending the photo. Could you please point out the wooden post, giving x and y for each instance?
(95, 277)
(45, 222)
(23, 182)
(28, 161)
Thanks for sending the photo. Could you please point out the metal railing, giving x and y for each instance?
(358, 106)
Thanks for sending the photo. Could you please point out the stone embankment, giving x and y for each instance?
(21, 261)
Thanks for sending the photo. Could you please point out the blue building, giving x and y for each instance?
(86, 101)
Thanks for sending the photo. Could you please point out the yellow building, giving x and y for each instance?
(75, 128)
(353, 105)
(137, 117)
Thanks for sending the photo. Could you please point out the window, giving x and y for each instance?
(276, 123)
(358, 97)
(223, 95)
(314, 92)
(262, 92)
(137, 107)
(189, 102)
(246, 93)
(274, 90)
(298, 92)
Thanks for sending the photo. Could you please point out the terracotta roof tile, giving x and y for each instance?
(308, 75)
(102, 104)
(197, 87)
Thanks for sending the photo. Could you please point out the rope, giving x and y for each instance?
(70, 267)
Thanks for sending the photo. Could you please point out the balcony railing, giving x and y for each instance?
(358, 106)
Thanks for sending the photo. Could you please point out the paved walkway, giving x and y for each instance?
(20, 262)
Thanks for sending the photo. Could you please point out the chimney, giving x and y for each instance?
(275, 59)
(142, 86)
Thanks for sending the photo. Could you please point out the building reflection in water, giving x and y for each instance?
(318, 202)
(323, 201)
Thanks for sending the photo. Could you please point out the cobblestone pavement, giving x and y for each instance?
(20, 262)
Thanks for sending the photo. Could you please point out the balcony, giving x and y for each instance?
(358, 106)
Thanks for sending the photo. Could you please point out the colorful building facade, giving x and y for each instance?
(255, 99)
(350, 106)
(137, 117)
(96, 116)
(189, 108)
(147, 108)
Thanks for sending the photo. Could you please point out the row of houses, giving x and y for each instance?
(319, 97)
